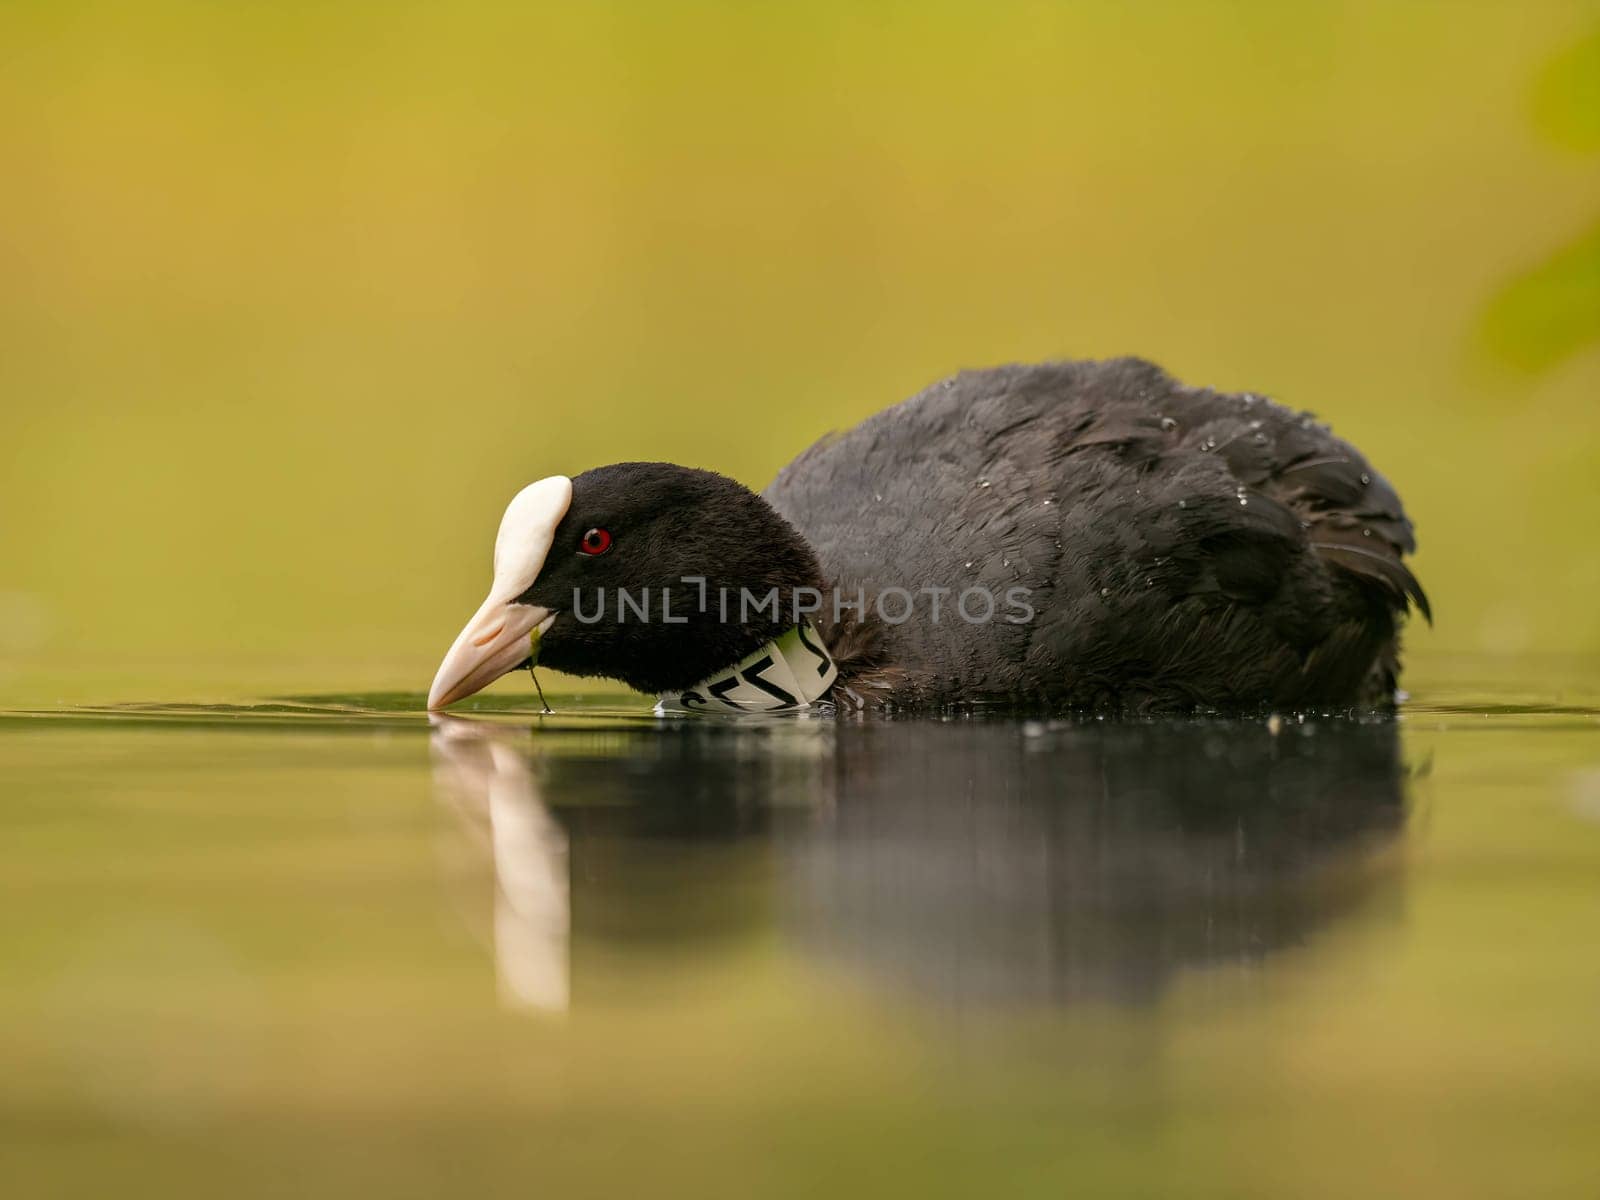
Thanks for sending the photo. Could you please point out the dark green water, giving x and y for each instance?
(331, 947)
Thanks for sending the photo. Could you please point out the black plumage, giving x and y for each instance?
(1183, 547)
(681, 534)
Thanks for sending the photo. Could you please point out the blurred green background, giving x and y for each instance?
(293, 297)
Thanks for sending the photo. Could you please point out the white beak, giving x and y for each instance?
(498, 638)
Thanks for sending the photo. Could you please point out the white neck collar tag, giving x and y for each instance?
(790, 672)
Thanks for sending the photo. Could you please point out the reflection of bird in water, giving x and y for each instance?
(975, 861)
(1090, 861)
(492, 784)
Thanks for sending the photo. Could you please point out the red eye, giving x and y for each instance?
(595, 542)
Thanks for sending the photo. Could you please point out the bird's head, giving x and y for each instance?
(605, 569)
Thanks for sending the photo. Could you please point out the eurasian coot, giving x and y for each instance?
(1073, 535)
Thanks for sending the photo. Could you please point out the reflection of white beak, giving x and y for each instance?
(532, 911)
(497, 638)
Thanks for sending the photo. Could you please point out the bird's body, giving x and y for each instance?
(1075, 535)
(1179, 546)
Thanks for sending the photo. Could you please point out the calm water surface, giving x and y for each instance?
(330, 946)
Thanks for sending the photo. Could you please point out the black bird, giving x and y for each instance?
(1073, 535)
